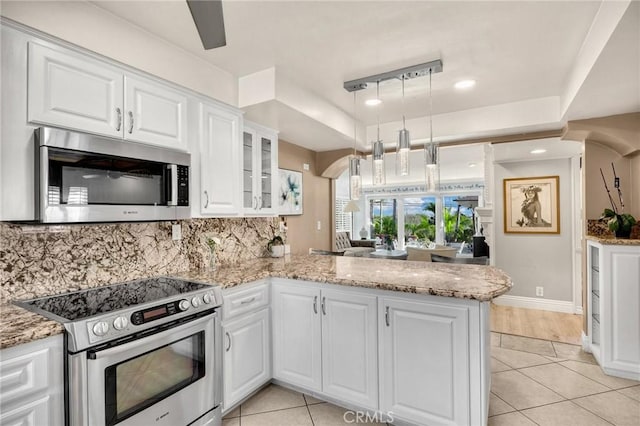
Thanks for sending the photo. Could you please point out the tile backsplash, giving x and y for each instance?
(41, 260)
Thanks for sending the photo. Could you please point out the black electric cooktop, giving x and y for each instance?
(87, 303)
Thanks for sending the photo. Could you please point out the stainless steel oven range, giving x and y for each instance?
(145, 352)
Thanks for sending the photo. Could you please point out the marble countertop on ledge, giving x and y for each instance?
(441, 279)
(18, 326)
(614, 241)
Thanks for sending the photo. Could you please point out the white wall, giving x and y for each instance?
(536, 260)
(95, 29)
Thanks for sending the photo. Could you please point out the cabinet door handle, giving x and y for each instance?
(130, 122)
(315, 304)
(119, 114)
(245, 301)
(386, 316)
(206, 203)
(260, 202)
(229, 340)
(324, 309)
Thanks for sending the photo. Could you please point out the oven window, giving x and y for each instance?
(140, 382)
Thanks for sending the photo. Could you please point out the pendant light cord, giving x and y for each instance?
(430, 111)
(355, 126)
(404, 126)
(378, 107)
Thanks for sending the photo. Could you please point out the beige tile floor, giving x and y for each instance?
(534, 382)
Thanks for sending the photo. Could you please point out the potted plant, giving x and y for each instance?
(619, 222)
(275, 246)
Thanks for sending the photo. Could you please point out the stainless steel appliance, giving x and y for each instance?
(145, 352)
(88, 178)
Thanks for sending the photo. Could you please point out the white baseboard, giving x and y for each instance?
(536, 303)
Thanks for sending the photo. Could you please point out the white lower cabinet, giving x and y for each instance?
(325, 340)
(296, 335)
(424, 362)
(247, 356)
(614, 307)
(31, 384)
(246, 327)
(350, 347)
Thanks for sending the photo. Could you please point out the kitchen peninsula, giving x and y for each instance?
(409, 340)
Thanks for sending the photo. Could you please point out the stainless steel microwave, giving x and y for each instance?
(88, 178)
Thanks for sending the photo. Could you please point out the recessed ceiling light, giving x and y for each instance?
(465, 84)
(538, 151)
(373, 102)
(472, 164)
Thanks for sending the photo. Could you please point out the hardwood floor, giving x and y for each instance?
(555, 326)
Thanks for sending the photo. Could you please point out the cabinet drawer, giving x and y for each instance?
(24, 375)
(34, 413)
(244, 300)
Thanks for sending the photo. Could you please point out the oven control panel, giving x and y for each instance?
(119, 324)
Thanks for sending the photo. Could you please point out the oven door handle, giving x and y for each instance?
(148, 341)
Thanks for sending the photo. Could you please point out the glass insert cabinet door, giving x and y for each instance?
(249, 200)
(266, 174)
(259, 171)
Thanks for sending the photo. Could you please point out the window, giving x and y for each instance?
(343, 220)
(409, 219)
(419, 219)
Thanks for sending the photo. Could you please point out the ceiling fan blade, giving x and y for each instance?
(207, 15)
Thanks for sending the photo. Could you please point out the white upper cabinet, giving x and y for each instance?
(154, 114)
(69, 90)
(260, 170)
(219, 161)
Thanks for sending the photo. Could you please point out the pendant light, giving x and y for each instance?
(404, 143)
(355, 179)
(377, 150)
(431, 152)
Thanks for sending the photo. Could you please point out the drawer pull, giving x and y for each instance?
(245, 301)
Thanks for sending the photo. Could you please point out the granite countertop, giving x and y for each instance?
(614, 241)
(18, 326)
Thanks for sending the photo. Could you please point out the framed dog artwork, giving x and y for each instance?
(532, 205)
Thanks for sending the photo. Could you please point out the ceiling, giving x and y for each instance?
(536, 63)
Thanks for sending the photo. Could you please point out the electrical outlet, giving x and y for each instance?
(540, 291)
(176, 232)
(319, 226)
(305, 166)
